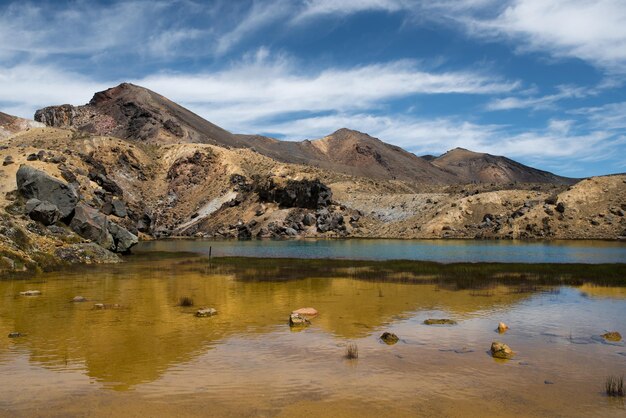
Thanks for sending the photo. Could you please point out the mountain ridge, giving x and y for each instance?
(132, 112)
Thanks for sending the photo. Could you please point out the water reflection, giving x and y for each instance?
(151, 345)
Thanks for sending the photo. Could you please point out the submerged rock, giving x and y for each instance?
(15, 334)
(297, 320)
(79, 299)
(612, 336)
(501, 350)
(444, 321)
(31, 293)
(205, 312)
(502, 327)
(389, 338)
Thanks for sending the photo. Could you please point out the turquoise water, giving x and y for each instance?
(444, 251)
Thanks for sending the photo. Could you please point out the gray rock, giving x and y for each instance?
(309, 219)
(33, 183)
(32, 204)
(291, 232)
(119, 208)
(46, 213)
(124, 239)
(8, 160)
(92, 225)
(79, 299)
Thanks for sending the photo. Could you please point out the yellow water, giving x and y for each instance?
(151, 357)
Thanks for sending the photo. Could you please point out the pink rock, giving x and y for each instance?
(306, 311)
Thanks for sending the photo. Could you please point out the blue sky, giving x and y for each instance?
(540, 81)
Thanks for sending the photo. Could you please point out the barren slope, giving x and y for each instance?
(479, 167)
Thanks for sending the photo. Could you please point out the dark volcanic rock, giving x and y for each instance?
(33, 183)
(310, 194)
(123, 239)
(46, 213)
(92, 225)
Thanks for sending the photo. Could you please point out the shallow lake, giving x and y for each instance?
(144, 355)
(444, 251)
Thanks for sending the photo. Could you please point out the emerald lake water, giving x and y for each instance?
(444, 251)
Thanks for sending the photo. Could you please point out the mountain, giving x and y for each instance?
(12, 124)
(136, 113)
(487, 168)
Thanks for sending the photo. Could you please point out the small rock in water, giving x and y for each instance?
(79, 299)
(15, 334)
(204, 312)
(389, 338)
(306, 311)
(297, 320)
(444, 321)
(612, 336)
(548, 382)
(501, 350)
(31, 293)
(463, 350)
(502, 327)
(106, 306)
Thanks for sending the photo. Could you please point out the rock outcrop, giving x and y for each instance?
(95, 226)
(36, 184)
(309, 194)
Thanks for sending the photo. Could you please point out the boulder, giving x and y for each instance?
(33, 183)
(560, 207)
(119, 208)
(502, 327)
(306, 311)
(92, 225)
(311, 194)
(389, 338)
(124, 239)
(309, 219)
(444, 321)
(501, 350)
(204, 312)
(45, 212)
(297, 320)
(8, 160)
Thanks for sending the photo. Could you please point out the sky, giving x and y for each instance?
(539, 81)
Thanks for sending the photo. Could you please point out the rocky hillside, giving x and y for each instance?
(486, 168)
(138, 114)
(10, 125)
(78, 194)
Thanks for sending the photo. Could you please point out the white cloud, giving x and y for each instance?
(315, 8)
(592, 30)
(268, 87)
(540, 102)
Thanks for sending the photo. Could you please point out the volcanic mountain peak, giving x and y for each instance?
(136, 113)
(483, 167)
